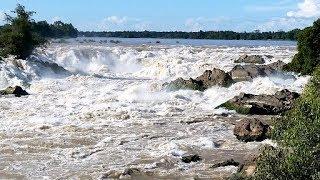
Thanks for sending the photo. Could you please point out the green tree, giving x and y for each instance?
(16, 37)
(308, 57)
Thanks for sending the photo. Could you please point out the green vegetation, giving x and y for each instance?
(228, 35)
(308, 57)
(17, 38)
(21, 35)
(298, 134)
(56, 30)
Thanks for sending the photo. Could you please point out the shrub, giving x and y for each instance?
(16, 37)
(298, 134)
(308, 57)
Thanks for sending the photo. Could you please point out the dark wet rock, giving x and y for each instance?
(249, 72)
(215, 77)
(17, 91)
(275, 104)
(248, 130)
(131, 171)
(208, 79)
(55, 68)
(255, 59)
(269, 56)
(115, 41)
(191, 158)
(277, 65)
(229, 162)
(181, 83)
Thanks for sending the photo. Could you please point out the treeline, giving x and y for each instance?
(56, 30)
(227, 35)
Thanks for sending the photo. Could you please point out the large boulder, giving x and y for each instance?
(215, 77)
(181, 83)
(208, 79)
(254, 59)
(17, 91)
(251, 130)
(262, 104)
(191, 158)
(277, 65)
(249, 72)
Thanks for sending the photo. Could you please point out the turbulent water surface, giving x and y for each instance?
(102, 107)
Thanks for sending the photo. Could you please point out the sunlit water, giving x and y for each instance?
(111, 112)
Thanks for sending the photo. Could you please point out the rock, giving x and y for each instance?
(191, 158)
(249, 166)
(277, 65)
(255, 59)
(248, 130)
(249, 72)
(17, 91)
(215, 77)
(230, 162)
(185, 84)
(276, 104)
(131, 172)
(112, 174)
(208, 79)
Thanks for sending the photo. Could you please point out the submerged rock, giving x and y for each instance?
(17, 91)
(248, 130)
(255, 59)
(191, 158)
(208, 79)
(262, 104)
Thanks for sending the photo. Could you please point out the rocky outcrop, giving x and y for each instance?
(254, 59)
(181, 83)
(229, 162)
(248, 130)
(277, 65)
(249, 72)
(215, 77)
(191, 158)
(208, 79)
(17, 91)
(262, 104)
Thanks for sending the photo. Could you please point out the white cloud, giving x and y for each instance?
(306, 9)
(117, 20)
(201, 23)
(285, 24)
(116, 23)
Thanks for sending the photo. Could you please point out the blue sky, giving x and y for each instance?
(171, 15)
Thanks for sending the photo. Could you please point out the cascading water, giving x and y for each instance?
(95, 108)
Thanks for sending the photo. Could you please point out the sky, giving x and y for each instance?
(173, 15)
